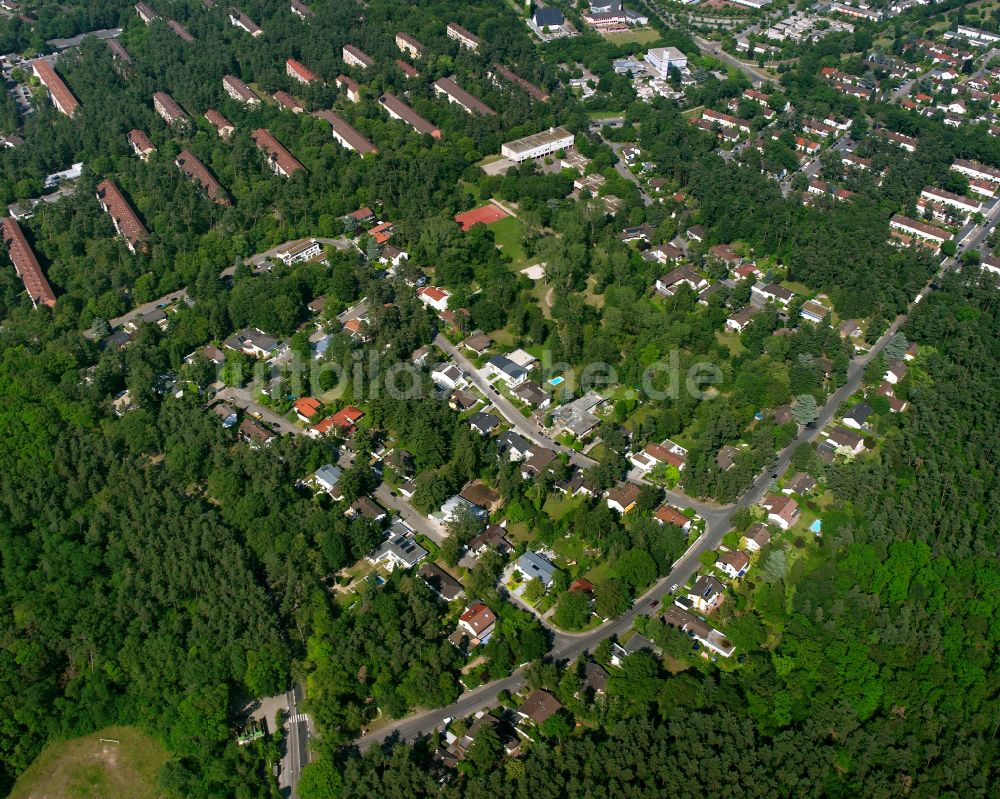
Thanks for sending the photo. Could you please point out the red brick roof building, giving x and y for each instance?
(191, 166)
(62, 97)
(530, 88)
(168, 108)
(222, 125)
(300, 72)
(26, 265)
(279, 159)
(141, 145)
(125, 220)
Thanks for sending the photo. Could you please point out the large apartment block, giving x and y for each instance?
(239, 91)
(62, 97)
(125, 220)
(354, 57)
(462, 36)
(26, 265)
(279, 159)
(346, 135)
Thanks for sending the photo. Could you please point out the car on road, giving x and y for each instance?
(393, 494)
(673, 588)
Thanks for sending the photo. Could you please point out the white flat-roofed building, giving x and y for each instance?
(537, 145)
(297, 251)
(661, 59)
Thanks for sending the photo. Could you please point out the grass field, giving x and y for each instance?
(85, 768)
(640, 36)
(508, 234)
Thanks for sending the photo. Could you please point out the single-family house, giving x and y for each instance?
(477, 342)
(530, 393)
(502, 368)
(843, 439)
(707, 593)
(483, 423)
(539, 707)
(536, 567)
(622, 498)
(478, 622)
(327, 478)
(513, 445)
(400, 549)
(637, 643)
(440, 582)
(668, 514)
(434, 297)
(857, 417)
(734, 564)
(801, 484)
(756, 537)
(447, 375)
(781, 510)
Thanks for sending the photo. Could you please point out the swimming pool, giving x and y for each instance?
(555, 381)
(816, 526)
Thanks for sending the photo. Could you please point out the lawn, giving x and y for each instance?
(509, 237)
(731, 341)
(639, 36)
(558, 505)
(86, 768)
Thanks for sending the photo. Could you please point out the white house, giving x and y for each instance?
(434, 297)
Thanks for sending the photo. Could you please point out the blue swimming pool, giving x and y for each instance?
(555, 381)
(816, 526)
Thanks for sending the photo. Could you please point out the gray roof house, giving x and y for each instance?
(504, 368)
(400, 549)
(483, 423)
(327, 477)
(532, 565)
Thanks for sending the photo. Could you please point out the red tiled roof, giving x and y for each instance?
(433, 292)
(26, 265)
(140, 140)
(346, 417)
(191, 166)
(307, 406)
(670, 515)
(300, 71)
(126, 221)
(61, 95)
(276, 151)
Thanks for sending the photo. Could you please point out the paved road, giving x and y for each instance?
(297, 745)
(811, 168)
(525, 427)
(757, 77)
(621, 167)
(567, 646)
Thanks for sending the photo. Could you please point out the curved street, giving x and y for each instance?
(567, 646)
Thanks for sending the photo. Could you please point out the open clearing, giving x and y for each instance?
(86, 768)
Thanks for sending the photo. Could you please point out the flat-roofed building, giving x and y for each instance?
(196, 171)
(537, 145)
(456, 94)
(297, 251)
(26, 265)
(346, 135)
(397, 109)
(279, 159)
(239, 91)
(661, 59)
(62, 97)
(125, 220)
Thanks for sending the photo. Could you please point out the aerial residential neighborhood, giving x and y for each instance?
(552, 399)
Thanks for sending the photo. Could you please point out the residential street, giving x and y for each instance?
(567, 646)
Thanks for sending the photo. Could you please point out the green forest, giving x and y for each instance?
(155, 573)
(871, 667)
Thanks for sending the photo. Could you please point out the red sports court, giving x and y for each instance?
(486, 215)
